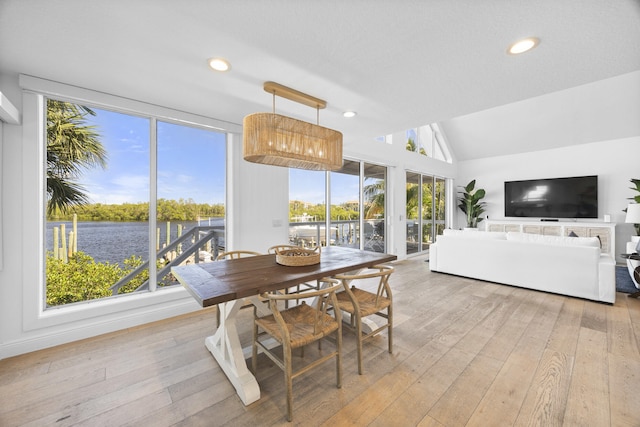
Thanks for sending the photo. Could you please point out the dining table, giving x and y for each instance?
(227, 283)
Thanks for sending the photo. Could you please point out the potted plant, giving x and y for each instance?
(471, 205)
(636, 199)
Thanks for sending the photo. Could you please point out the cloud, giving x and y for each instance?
(184, 179)
(119, 189)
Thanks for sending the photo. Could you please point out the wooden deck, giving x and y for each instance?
(466, 353)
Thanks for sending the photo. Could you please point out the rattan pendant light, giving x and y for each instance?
(277, 140)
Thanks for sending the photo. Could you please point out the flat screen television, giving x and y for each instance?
(574, 197)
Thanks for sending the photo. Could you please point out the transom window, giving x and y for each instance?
(428, 141)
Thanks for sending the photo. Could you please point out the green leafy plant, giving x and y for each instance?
(83, 279)
(80, 279)
(470, 203)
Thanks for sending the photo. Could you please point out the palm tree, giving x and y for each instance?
(412, 203)
(374, 194)
(374, 199)
(411, 146)
(72, 146)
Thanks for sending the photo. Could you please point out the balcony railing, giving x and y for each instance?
(200, 243)
(344, 233)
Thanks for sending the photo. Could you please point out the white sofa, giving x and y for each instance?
(571, 266)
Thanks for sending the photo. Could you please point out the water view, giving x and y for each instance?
(114, 242)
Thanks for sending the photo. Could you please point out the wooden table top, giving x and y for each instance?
(221, 281)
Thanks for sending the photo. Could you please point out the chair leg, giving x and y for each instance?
(339, 357)
(288, 380)
(390, 327)
(359, 341)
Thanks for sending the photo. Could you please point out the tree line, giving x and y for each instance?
(167, 210)
(185, 210)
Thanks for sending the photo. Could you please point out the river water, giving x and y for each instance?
(116, 241)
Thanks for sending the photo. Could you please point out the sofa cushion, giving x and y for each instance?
(475, 234)
(553, 240)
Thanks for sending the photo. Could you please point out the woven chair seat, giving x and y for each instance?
(300, 321)
(369, 302)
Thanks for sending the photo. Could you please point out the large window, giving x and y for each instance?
(345, 205)
(356, 216)
(307, 207)
(125, 192)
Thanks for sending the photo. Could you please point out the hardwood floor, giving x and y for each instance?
(466, 353)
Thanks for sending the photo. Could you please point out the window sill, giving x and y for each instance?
(109, 309)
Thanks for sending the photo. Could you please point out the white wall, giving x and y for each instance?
(258, 203)
(615, 162)
(10, 285)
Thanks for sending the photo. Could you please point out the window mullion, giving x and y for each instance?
(327, 205)
(153, 200)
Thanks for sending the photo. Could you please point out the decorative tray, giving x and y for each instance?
(298, 257)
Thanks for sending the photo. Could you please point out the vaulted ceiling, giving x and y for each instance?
(398, 63)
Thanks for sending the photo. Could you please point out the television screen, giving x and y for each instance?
(575, 197)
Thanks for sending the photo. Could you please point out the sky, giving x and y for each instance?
(191, 165)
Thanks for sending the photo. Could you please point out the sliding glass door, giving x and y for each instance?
(425, 210)
(374, 194)
(350, 201)
(413, 209)
(438, 206)
(345, 205)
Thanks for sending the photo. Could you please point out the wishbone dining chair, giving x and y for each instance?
(360, 303)
(296, 327)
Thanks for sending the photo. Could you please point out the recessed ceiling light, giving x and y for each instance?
(523, 45)
(219, 64)
(349, 114)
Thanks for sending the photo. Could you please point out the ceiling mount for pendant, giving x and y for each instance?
(294, 95)
(273, 139)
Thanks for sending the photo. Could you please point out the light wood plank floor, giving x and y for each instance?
(467, 353)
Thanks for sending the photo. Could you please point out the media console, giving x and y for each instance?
(605, 231)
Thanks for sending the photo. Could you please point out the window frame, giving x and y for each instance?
(150, 305)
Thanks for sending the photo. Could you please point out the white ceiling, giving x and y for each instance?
(398, 63)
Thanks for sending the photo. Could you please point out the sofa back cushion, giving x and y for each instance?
(553, 240)
(475, 234)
